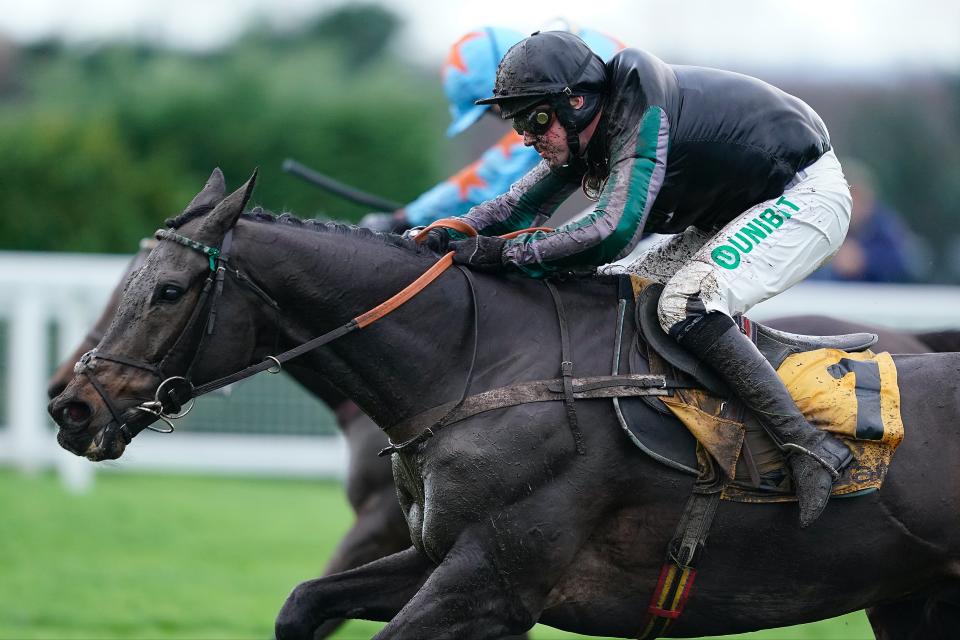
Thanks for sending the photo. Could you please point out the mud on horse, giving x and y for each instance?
(510, 524)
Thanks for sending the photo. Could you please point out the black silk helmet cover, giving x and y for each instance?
(550, 66)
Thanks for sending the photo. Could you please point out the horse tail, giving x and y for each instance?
(940, 341)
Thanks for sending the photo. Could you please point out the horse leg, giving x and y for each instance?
(943, 614)
(375, 591)
(465, 598)
(897, 620)
(378, 531)
(936, 617)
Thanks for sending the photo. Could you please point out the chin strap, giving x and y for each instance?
(575, 120)
(573, 141)
(567, 117)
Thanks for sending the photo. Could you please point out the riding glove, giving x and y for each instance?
(437, 240)
(484, 253)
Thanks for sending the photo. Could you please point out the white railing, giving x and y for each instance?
(904, 307)
(69, 290)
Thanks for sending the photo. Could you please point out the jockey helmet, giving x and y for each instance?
(551, 67)
(469, 72)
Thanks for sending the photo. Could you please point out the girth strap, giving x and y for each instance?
(566, 369)
(678, 571)
(422, 426)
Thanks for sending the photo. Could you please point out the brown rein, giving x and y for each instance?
(460, 226)
(273, 364)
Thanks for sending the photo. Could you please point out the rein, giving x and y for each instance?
(176, 392)
(175, 396)
(273, 364)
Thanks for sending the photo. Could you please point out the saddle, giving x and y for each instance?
(722, 443)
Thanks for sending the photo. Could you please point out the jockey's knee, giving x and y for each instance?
(682, 301)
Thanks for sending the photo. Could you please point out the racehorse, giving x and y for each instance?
(511, 524)
(379, 528)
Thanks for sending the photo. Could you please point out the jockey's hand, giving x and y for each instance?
(484, 253)
(395, 222)
(437, 240)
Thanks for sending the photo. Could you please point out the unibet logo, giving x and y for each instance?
(751, 234)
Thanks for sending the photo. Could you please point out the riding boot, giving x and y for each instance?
(816, 458)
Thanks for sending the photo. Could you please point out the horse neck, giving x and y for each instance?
(323, 279)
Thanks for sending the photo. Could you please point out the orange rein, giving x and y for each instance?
(430, 274)
(446, 223)
(459, 225)
(406, 293)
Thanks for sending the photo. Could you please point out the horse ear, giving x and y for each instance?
(211, 194)
(216, 223)
(209, 197)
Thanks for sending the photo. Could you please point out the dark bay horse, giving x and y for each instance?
(509, 524)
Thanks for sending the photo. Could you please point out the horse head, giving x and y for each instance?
(64, 372)
(198, 314)
(143, 368)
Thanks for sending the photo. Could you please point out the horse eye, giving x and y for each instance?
(170, 293)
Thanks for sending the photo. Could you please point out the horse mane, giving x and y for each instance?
(188, 214)
(259, 214)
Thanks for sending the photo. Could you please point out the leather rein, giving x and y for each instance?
(175, 395)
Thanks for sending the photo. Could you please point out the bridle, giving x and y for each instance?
(175, 396)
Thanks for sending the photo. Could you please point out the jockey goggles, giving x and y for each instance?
(536, 121)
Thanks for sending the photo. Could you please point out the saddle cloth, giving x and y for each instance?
(852, 395)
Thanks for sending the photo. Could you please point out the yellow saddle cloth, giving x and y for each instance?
(852, 395)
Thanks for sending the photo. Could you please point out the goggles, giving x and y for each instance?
(535, 122)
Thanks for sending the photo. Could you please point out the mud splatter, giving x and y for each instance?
(664, 260)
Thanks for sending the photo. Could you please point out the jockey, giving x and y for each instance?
(740, 171)
(468, 75)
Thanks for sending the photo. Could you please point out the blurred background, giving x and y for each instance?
(114, 112)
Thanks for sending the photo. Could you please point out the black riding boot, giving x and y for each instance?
(816, 458)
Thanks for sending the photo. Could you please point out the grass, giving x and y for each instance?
(186, 558)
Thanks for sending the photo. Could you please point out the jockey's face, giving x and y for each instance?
(552, 144)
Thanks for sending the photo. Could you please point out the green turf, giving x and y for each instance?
(185, 558)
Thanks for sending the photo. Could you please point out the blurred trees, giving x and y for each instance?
(99, 146)
(361, 31)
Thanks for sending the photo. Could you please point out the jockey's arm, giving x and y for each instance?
(531, 200)
(616, 224)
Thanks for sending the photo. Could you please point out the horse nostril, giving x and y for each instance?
(75, 414)
(55, 389)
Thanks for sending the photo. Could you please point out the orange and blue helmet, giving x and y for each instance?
(469, 72)
(605, 46)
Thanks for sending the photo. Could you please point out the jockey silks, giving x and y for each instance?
(686, 146)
